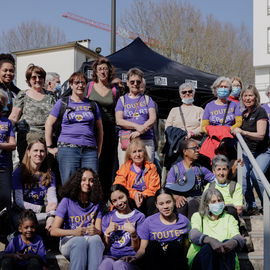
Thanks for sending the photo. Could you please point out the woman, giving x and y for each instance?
(102, 91)
(80, 140)
(34, 184)
(139, 176)
(255, 132)
(187, 196)
(7, 73)
(136, 115)
(120, 228)
(7, 144)
(237, 86)
(78, 220)
(31, 108)
(214, 235)
(163, 236)
(188, 117)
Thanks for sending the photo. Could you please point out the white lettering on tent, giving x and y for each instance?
(161, 81)
(124, 77)
(192, 82)
(89, 74)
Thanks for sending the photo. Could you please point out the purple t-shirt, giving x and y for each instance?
(215, 113)
(6, 130)
(78, 125)
(154, 230)
(139, 183)
(17, 245)
(120, 242)
(267, 108)
(34, 193)
(201, 173)
(73, 214)
(141, 115)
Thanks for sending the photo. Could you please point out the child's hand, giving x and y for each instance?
(111, 228)
(128, 227)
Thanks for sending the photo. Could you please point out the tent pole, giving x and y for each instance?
(113, 26)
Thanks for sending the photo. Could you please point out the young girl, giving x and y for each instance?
(26, 250)
(163, 236)
(34, 183)
(120, 230)
(78, 220)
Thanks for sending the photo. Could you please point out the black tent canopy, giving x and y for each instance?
(163, 76)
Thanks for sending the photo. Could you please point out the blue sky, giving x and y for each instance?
(49, 12)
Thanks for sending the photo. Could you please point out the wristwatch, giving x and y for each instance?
(50, 146)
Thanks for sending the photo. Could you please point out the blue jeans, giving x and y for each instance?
(251, 179)
(71, 159)
(84, 252)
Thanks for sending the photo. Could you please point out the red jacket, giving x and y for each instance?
(126, 178)
(212, 142)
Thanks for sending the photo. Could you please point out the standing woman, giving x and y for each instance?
(7, 144)
(237, 86)
(78, 220)
(163, 236)
(188, 117)
(120, 228)
(136, 114)
(80, 140)
(34, 185)
(31, 108)
(255, 130)
(7, 73)
(102, 91)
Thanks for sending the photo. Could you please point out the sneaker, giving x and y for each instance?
(253, 211)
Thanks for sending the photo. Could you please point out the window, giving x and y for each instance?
(268, 40)
(268, 7)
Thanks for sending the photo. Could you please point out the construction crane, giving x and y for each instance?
(119, 30)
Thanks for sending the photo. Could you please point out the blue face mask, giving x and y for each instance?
(187, 101)
(236, 91)
(223, 92)
(57, 87)
(216, 208)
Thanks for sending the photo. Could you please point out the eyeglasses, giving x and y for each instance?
(194, 148)
(36, 77)
(79, 82)
(138, 82)
(188, 91)
(102, 69)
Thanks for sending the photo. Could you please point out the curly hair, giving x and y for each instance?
(6, 58)
(101, 61)
(72, 188)
(28, 214)
(28, 175)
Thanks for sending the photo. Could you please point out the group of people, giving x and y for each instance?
(109, 207)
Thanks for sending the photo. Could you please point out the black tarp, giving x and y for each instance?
(163, 76)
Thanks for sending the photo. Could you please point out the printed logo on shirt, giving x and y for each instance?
(4, 127)
(77, 220)
(167, 234)
(29, 250)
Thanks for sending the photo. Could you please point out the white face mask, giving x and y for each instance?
(187, 101)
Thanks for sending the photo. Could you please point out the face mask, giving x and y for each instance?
(223, 92)
(188, 101)
(57, 87)
(216, 208)
(219, 184)
(236, 91)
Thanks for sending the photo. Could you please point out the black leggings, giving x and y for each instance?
(156, 258)
(12, 264)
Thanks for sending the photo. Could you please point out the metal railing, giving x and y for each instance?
(266, 196)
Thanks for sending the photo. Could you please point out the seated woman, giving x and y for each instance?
(139, 176)
(78, 220)
(120, 228)
(188, 116)
(163, 236)
(187, 178)
(214, 235)
(231, 191)
(33, 184)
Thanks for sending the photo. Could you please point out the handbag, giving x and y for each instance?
(125, 134)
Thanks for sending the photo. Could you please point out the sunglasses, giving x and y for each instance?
(188, 91)
(194, 148)
(132, 82)
(36, 77)
(79, 82)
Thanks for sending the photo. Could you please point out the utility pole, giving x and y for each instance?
(113, 26)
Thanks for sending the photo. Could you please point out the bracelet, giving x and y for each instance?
(50, 146)
(134, 236)
(50, 215)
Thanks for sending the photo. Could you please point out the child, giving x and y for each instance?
(26, 250)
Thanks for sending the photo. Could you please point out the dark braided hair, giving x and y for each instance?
(28, 214)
